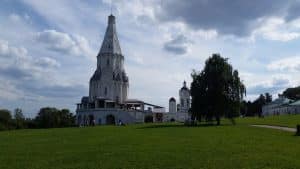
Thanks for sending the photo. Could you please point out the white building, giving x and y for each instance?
(109, 80)
(281, 106)
(107, 102)
(185, 99)
(179, 112)
(172, 105)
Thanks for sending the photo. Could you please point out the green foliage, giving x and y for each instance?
(46, 118)
(216, 91)
(49, 117)
(5, 119)
(255, 108)
(19, 119)
(292, 93)
(148, 119)
(150, 146)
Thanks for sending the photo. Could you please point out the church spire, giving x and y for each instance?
(110, 42)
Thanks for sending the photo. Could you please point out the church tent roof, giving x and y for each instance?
(110, 42)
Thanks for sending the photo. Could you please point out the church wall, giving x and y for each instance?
(100, 115)
(110, 64)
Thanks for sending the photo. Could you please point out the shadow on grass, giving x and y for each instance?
(179, 125)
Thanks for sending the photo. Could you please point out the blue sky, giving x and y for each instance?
(48, 48)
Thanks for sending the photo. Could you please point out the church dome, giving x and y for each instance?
(184, 86)
(172, 99)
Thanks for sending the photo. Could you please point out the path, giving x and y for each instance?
(277, 127)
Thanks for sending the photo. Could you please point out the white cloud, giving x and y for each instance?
(290, 64)
(65, 43)
(17, 62)
(178, 45)
(26, 77)
(9, 91)
(275, 84)
(14, 17)
(7, 51)
(278, 29)
(47, 62)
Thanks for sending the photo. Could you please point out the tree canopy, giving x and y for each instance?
(216, 91)
(50, 117)
(5, 119)
(292, 93)
(255, 108)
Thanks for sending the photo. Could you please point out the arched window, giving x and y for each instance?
(107, 62)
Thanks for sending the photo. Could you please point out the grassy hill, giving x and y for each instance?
(150, 146)
(282, 120)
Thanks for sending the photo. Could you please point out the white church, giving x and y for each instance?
(107, 102)
(180, 112)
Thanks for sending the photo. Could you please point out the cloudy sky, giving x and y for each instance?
(48, 48)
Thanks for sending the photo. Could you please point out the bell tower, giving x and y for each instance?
(184, 99)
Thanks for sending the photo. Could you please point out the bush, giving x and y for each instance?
(5, 119)
(49, 117)
(2, 127)
(149, 119)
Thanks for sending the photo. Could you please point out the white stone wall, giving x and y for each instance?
(280, 110)
(108, 87)
(127, 117)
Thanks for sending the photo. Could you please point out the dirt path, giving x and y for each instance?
(276, 127)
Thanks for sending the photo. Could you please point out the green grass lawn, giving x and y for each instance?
(283, 120)
(150, 146)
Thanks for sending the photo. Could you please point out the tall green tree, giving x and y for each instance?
(19, 119)
(292, 93)
(5, 119)
(268, 97)
(216, 91)
(49, 117)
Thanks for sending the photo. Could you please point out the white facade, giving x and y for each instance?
(281, 106)
(184, 99)
(110, 80)
(108, 90)
(108, 116)
(179, 112)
